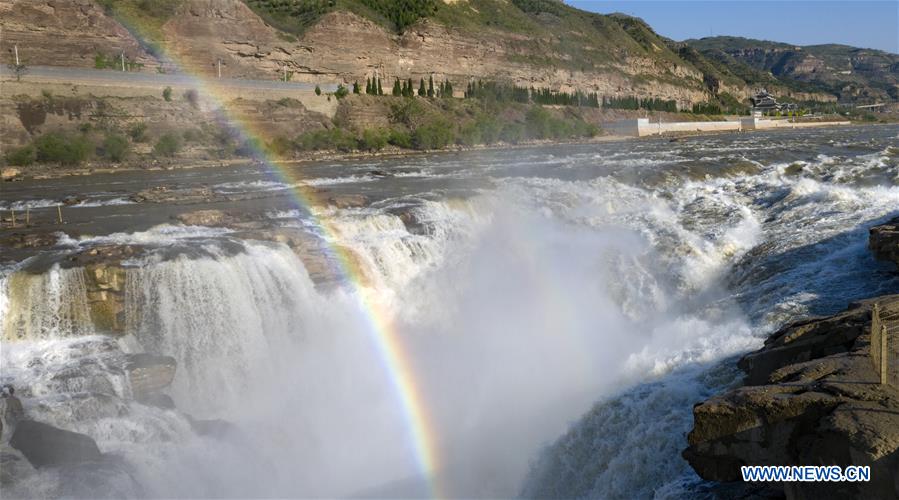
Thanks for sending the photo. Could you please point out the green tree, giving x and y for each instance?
(168, 145)
(431, 86)
(318, 90)
(421, 88)
(356, 87)
(115, 147)
(396, 87)
(410, 88)
(380, 90)
(167, 94)
(341, 91)
(19, 70)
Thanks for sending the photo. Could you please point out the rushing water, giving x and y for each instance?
(563, 307)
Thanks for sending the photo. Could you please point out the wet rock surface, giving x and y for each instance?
(348, 200)
(811, 397)
(149, 374)
(44, 445)
(827, 409)
(29, 240)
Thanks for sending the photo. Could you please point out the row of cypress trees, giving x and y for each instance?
(500, 92)
(405, 88)
(633, 102)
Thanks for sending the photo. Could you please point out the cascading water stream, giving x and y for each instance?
(594, 309)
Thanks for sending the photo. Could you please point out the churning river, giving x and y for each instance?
(533, 322)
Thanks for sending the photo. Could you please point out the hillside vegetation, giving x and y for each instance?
(850, 73)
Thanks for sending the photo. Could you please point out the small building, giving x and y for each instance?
(764, 102)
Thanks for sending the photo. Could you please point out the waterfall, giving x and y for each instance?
(51, 304)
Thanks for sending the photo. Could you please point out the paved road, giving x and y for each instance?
(84, 76)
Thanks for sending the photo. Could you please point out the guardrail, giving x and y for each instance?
(16, 219)
(884, 335)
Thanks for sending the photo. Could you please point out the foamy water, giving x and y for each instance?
(562, 317)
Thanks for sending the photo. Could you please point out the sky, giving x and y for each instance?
(868, 24)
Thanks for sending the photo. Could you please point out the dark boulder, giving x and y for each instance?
(44, 445)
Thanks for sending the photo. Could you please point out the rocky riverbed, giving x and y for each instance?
(811, 396)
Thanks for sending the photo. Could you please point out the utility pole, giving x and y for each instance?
(123, 60)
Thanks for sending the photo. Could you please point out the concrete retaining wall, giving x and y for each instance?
(642, 126)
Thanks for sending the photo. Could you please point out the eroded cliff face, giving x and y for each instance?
(65, 33)
(812, 397)
(346, 47)
(340, 47)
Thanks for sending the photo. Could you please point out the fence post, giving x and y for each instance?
(883, 355)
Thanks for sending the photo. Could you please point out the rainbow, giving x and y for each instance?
(395, 358)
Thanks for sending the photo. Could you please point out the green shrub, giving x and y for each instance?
(281, 146)
(538, 123)
(408, 112)
(192, 135)
(167, 145)
(341, 92)
(373, 139)
(399, 138)
(251, 148)
(318, 90)
(167, 94)
(138, 132)
(115, 147)
(489, 129)
(21, 157)
(335, 138)
(193, 97)
(436, 134)
(512, 133)
(469, 135)
(61, 148)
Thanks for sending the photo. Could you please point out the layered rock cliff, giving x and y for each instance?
(543, 45)
(811, 397)
(65, 33)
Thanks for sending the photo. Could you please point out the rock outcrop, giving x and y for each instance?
(811, 397)
(44, 445)
(10, 174)
(884, 241)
